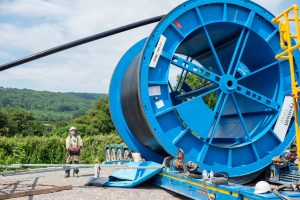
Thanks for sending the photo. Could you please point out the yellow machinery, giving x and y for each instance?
(289, 42)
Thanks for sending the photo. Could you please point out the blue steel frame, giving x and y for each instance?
(191, 125)
(198, 189)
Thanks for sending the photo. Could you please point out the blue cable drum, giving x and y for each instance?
(116, 106)
(228, 45)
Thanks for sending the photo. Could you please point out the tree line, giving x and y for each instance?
(48, 106)
(21, 122)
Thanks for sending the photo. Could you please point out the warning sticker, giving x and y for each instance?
(284, 118)
(159, 104)
(154, 91)
(157, 51)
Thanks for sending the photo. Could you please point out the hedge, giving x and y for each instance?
(37, 150)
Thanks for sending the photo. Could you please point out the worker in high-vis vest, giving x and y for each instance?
(73, 146)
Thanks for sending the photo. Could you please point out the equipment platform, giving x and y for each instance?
(199, 189)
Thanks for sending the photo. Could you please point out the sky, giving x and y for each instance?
(29, 26)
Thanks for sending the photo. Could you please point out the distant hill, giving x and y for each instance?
(92, 96)
(49, 106)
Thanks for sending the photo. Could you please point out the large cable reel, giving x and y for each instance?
(206, 80)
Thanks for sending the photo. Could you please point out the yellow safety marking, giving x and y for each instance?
(286, 43)
(201, 185)
(235, 194)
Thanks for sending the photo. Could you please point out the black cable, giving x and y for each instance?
(80, 42)
(277, 190)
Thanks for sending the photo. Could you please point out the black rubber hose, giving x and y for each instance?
(277, 190)
(80, 42)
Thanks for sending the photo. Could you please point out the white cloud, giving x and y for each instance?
(275, 6)
(29, 26)
(46, 24)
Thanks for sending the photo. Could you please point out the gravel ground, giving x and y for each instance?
(49, 179)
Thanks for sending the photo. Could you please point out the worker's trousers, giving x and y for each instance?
(75, 170)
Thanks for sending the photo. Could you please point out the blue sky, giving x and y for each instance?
(29, 26)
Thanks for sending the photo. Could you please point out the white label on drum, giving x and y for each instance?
(157, 51)
(284, 118)
(154, 91)
(159, 104)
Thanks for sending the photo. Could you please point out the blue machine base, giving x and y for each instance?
(197, 189)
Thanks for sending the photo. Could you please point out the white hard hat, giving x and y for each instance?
(72, 128)
(262, 187)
